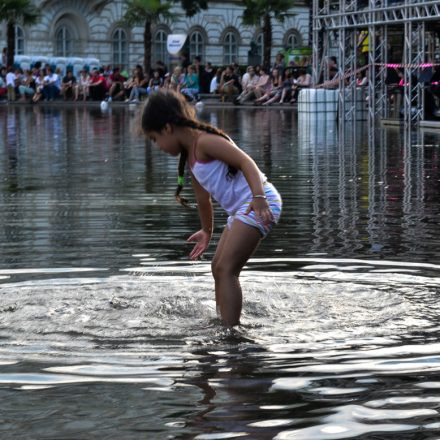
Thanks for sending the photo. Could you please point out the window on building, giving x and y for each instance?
(19, 40)
(160, 52)
(63, 42)
(293, 40)
(120, 48)
(196, 45)
(230, 48)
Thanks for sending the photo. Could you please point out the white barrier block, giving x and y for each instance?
(317, 101)
(23, 61)
(331, 104)
(77, 65)
(93, 63)
(43, 60)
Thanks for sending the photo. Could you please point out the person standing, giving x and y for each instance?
(11, 83)
(221, 171)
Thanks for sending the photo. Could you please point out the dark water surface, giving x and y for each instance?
(108, 332)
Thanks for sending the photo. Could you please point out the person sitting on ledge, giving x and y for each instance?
(27, 86)
(139, 88)
(82, 88)
(190, 88)
(215, 82)
(229, 84)
(97, 89)
(50, 86)
(282, 92)
(263, 85)
(303, 81)
(155, 82)
(177, 79)
(116, 81)
(39, 84)
(249, 83)
(68, 85)
(272, 88)
(3, 89)
(286, 93)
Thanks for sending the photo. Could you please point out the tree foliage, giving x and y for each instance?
(191, 7)
(146, 13)
(139, 11)
(255, 10)
(16, 12)
(261, 13)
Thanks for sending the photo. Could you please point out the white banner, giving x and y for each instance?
(175, 43)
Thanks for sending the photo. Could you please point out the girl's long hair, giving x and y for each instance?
(169, 107)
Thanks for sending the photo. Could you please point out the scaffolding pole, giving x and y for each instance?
(342, 21)
(347, 75)
(347, 65)
(377, 61)
(397, 13)
(414, 56)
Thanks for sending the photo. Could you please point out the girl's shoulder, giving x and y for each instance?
(206, 143)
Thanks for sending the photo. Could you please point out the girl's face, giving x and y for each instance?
(166, 140)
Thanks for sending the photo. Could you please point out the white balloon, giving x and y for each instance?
(199, 106)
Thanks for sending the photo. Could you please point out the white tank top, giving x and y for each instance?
(229, 191)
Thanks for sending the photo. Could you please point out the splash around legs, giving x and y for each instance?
(236, 246)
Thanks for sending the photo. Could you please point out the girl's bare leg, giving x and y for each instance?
(234, 249)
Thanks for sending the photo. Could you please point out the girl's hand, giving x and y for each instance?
(202, 239)
(262, 211)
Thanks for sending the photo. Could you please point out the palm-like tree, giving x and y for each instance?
(191, 7)
(16, 12)
(260, 13)
(146, 13)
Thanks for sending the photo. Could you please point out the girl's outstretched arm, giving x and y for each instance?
(204, 206)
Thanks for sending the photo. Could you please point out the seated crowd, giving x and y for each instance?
(278, 84)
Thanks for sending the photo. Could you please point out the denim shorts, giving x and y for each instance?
(275, 204)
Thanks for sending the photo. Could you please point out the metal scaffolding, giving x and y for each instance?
(341, 22)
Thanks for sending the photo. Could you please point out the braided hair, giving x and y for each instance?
(168, 107)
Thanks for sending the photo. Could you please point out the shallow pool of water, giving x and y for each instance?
(107, 331)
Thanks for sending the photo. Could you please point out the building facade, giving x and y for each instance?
(95, 28)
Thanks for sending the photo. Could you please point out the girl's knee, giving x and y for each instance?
(221, 268)
(214, 268)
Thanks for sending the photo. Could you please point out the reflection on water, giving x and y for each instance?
(107, 331)
(77, 184)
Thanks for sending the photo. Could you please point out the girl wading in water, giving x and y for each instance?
(219, 169)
